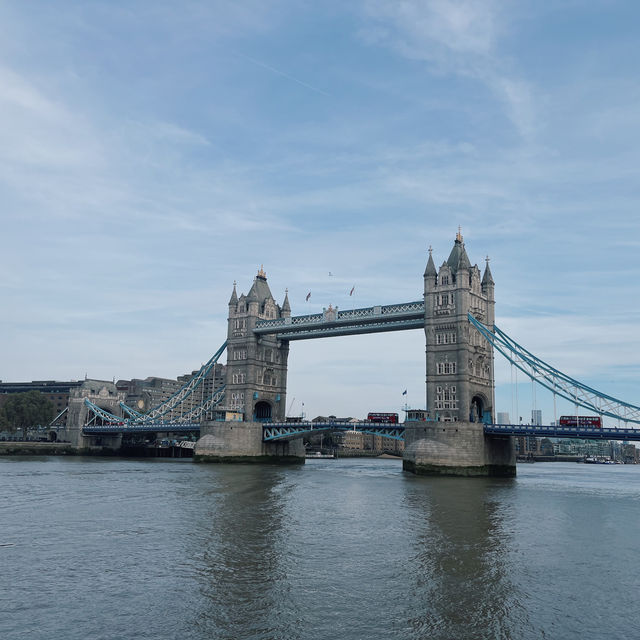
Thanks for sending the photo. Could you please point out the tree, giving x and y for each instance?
(4, 423)
(26, 410)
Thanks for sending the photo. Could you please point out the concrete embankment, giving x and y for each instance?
(37, 449)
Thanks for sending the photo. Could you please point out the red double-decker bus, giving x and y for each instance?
(387, 418)
(581, 421)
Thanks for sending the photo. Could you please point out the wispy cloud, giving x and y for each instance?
(459, 37)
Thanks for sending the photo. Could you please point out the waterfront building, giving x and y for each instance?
(503, 418)
(54, 390)
(146, 394)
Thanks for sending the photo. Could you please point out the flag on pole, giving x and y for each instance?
(404, 393)
(352, 290)
(308, 296)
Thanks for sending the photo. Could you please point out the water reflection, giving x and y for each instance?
(460, 568)
(243, 582)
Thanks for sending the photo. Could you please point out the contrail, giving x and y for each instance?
(281, 73)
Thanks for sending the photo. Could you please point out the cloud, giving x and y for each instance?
(458, 37)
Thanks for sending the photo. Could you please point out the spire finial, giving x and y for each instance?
(430, 249)
(487, 260)
(459, 234)
(261, 273)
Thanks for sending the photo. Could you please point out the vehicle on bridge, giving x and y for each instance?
(384, 418)
(581, 421)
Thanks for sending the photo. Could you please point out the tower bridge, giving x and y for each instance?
(457, 435)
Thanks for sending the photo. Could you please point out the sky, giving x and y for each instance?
(153, 152)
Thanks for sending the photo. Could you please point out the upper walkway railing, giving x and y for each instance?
(332, 322)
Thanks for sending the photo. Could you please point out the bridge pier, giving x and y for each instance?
(456, 449)
(242, 442)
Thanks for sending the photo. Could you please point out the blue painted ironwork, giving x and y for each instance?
(102, 413)
(54, 421)
(291, 430)
(552, 431)
(554, 380)
(211, 402)
(131, 412)
(147, 427)
(392, 317)
(182, 394)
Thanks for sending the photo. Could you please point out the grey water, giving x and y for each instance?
(349, 549)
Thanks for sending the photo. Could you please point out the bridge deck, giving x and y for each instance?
(552, 431)
(283, 430)
(154, 427)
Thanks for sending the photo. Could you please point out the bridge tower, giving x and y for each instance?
(459, 375)
(103, 394)
(256, 373)
(459, 361)
(256, 384)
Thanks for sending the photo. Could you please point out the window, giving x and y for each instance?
(445, 368)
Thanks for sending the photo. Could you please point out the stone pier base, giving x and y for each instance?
(242, 442)
(456, 449)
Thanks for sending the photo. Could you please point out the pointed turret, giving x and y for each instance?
(487, 278)
(286, 307)
(430, 271)
(234, 296)
(430, 274)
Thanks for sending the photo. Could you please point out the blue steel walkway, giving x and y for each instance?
(543, 431)
(290, 430)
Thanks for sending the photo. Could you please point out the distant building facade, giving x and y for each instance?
(57, 392)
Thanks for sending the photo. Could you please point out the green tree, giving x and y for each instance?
(27, 410)
(4, 423)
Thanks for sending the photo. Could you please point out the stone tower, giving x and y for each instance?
(460, 378)
(256, 373)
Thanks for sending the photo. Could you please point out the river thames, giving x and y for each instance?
(348, 549)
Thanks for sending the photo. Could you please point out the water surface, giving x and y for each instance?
(349, 549)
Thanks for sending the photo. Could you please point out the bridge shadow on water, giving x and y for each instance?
(241, 574)
(460, 584)
(352, 552)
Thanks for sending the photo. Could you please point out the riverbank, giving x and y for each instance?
(37, 449)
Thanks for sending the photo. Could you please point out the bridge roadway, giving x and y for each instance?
(552, 431)
(145, 427)
(288, 430)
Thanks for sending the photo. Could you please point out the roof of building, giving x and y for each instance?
(458, 258)
(234, 295)
(487, 278)
(431, 267)
(286, 307)
(260, 289)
